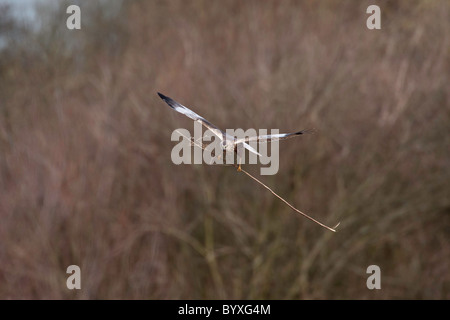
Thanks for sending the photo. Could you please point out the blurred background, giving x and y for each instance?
(86, 176)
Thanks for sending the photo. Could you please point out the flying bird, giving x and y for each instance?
(229, 143)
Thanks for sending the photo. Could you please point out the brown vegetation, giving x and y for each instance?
(86, 176)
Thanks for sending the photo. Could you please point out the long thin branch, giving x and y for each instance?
(291, 206)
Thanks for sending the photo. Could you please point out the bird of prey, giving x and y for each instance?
(229, 143)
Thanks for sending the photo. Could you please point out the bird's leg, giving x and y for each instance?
(239, 154)
(218, 156)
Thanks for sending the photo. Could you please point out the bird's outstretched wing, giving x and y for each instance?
(274, 137)
(191, 114)
(250, 148)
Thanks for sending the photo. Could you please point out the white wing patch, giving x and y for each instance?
(273, 137)
(251, 149)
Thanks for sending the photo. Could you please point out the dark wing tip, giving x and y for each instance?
(307, 131)
(172, 103)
